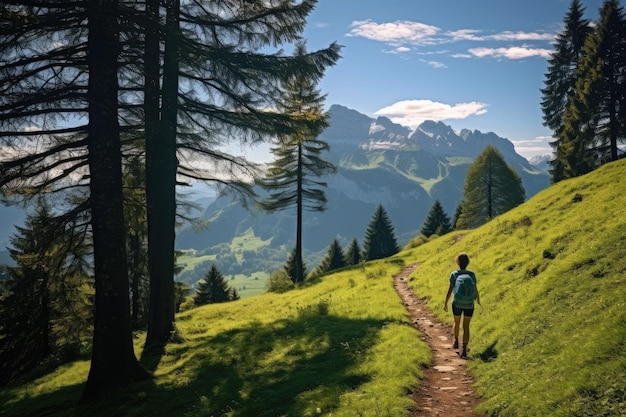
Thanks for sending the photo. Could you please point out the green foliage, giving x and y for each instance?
(380, 240)
(419, 240)
(561, 76)
(290, 267)
(279, 281)
(181, 294)
(583, 100)
(491, 188)
(334, 258)
(353, 253)
(294, 177)
(45, 308)
(437, 222)
(214, 288)
(457, 214)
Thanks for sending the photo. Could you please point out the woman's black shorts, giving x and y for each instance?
(457, 311)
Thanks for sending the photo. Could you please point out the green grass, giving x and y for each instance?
(550, 339)
(189, 260)
(249, 286)
(342, 346)
(247, 241)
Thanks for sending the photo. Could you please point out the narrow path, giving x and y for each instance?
(446, 388)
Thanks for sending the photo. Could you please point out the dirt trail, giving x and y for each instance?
(446, 388)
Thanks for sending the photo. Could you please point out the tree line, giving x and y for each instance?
(584, 97)
(96, 93)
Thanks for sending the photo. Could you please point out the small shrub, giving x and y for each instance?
(279, 282)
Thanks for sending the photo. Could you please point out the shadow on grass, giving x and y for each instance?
(280, 368)
(62, 402)
(151, 356)
(489, 354)
(276, 369)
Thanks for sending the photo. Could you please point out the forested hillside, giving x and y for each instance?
(379, 162)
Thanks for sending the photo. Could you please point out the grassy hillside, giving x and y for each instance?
(549, 340)
(342, 346)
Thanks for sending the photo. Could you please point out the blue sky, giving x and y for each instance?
(475, 64)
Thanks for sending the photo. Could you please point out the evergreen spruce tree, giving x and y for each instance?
(214, 289)
(380, 240)
(44, 308)
(353, 253)
(290, 267)
(560, 80)
(491, 188)
(334, 258)
(294, 178)
(457, 214)
(437, 222)
(594, 125)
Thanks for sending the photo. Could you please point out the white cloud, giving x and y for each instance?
(435, 64)
(506, 36)
(462, 56)
(400, 49)
(413, 112)
(533, 147)
(513, 52)
(400, 31)
(402, 34)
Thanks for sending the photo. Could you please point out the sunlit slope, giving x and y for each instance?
(550, 339)
(342, 346)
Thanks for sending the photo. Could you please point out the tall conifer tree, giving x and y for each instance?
(561, 77)
(334, 258)
(220, 76)
(353, 253)
(294, 178)
(491, 188)
(596, 116)
(380, 239)
(437, 221)
(214, 288)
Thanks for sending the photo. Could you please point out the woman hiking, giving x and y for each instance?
(463, 286)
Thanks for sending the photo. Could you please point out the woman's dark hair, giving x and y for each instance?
(462, 260)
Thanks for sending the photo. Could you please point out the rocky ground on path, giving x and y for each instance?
(446, 389)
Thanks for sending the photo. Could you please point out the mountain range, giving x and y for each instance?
(378, 162)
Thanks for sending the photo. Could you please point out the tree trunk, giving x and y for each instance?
(300, 204)
(161, 166)
(113, 361)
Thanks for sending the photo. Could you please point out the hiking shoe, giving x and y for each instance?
(456, 344)
(464, 354)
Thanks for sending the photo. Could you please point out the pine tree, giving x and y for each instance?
(595, 124)
(380, 240)
(561, 79)
(290, 267)
(214, 289)
(491, 188)
(457, 214)
(334, 258)
(353, 253)
(437, 222)
(45, 308)
(293, 179)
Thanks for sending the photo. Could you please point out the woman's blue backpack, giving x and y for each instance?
(464, 289)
